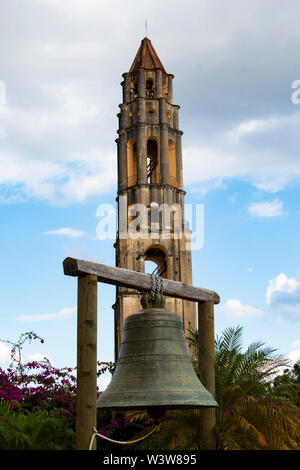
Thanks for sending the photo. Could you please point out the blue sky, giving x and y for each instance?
(234, 66)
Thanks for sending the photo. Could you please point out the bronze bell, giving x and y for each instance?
(154, 370)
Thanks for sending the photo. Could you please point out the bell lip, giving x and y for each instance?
(175, 403)
(148, 407)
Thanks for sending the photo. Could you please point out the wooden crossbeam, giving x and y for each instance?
(135, 280)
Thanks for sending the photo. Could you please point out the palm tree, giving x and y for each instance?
(249, 415)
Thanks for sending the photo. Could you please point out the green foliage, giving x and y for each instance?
(287, 385)
(177, 430)
(258, 409)
(117, 426)
(251, 370)
(248, 416)
(37, 430)
(37, 401)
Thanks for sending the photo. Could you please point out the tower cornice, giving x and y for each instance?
(122, 105)
(125, 190)
(146, 124)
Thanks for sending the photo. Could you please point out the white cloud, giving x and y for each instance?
(294, 356)
(4, 355)
(57, 128)
(52, 150)
(266, 208)
(234, 309)
(67, 232)
(261, 152)
(63, 314)
(37, 357)
(201, 191)
(283, 290)
(59, 182)
(104, 381)
(251, 127)
(283, 297)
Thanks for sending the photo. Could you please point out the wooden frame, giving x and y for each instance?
(89, 274)
(134, 280)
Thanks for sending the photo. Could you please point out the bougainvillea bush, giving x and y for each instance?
(37, 385)
(37, 401)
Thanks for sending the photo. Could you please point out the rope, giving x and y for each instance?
(157, 286)
(96, 433)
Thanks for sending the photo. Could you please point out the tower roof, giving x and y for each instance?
(146, 58)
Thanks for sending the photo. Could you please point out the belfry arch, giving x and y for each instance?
(152, 160)
(158, 255)
(150, 88)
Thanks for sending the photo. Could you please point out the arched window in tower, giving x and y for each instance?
(152, 161)
(133, 90)
(149, 88)
(131, 162)
(172, 163)
(156, 261)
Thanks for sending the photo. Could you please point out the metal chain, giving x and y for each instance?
(157, 286)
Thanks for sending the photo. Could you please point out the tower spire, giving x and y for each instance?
(146, 58)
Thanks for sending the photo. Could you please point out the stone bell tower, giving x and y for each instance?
(150, 186)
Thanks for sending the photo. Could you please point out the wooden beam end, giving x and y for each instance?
(70, 267)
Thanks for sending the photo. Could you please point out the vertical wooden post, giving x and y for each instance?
(206, 368)
(86, 412)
